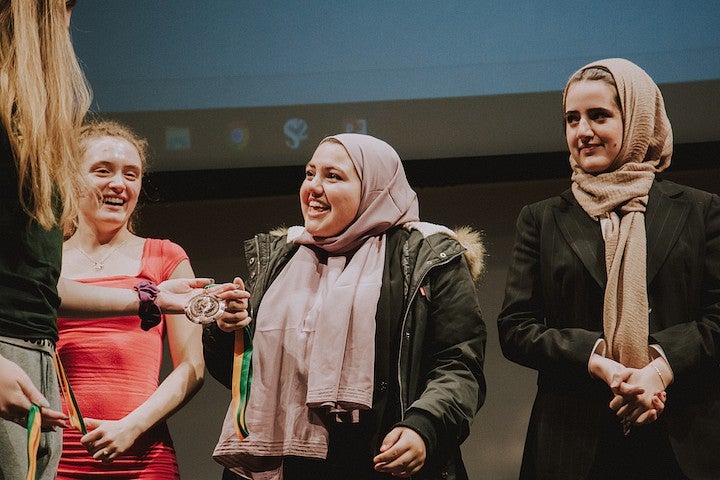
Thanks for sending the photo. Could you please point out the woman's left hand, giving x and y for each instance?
(175, 293)
(402, 453)
(108, 439)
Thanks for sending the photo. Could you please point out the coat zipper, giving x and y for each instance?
(403, 334)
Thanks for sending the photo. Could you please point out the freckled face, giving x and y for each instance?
(113, 169)
(330, 194)
(593, 125)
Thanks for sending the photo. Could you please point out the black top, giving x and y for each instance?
(30, 262)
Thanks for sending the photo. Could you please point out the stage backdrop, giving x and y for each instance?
(234, 83)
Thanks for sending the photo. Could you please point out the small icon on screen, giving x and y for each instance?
(238, 135)
(296, 131)
(355, 125)
(177, 138)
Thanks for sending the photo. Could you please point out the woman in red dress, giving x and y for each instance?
(112, 363)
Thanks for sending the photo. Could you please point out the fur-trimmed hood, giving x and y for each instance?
(470, 239)
(465, 235)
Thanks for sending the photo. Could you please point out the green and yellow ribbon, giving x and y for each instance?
(241, 379)
(34, 419)
(33, 440)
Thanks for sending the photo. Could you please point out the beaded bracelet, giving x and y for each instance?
(148, 311)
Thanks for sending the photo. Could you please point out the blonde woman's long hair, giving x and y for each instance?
(43, 99)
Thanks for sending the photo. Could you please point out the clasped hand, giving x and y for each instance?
(639, 395)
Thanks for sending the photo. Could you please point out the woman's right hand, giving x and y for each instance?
(606, 369)
(175, 293)
(236, 315)
(18, 393)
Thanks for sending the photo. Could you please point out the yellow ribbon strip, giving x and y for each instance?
(76, 419)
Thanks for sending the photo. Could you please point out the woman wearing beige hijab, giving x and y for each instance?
(613, 296)
(367, 338)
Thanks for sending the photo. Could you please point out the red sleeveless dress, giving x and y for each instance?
(113, 366)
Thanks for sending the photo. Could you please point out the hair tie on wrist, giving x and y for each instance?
(148, 311)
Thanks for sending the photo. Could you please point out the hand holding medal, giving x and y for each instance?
(228, 307)
(205, 308)
(200, 299)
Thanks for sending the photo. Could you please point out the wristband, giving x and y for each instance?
(148, 311)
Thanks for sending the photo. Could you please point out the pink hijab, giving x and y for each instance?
(386, 198)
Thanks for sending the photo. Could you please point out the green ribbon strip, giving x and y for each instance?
(242, 378)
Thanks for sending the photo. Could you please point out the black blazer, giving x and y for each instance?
(552, 317)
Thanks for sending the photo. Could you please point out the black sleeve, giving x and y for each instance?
(218, 353)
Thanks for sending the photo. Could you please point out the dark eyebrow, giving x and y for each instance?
(600, 110)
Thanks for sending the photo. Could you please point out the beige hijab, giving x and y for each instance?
(314, 340)
(621, 195)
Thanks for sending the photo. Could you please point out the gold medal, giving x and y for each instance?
(204, 308)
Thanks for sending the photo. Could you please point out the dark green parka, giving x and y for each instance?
(429, 341)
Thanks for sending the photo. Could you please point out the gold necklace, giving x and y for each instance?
(98, 265)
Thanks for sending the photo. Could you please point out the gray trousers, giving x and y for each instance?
(37, 361)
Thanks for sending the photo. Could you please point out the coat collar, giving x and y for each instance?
(583, 234)
(664, 220)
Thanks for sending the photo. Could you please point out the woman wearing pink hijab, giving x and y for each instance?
(613, 296)
(367, 338)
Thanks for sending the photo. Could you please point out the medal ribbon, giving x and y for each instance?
(241, 379)
(35, 419)
(33, 440)
(76, 419)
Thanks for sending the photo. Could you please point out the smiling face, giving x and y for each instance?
(593, 125)
(113, 170)
(331, 192)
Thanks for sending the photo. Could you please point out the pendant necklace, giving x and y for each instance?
(98, 265)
